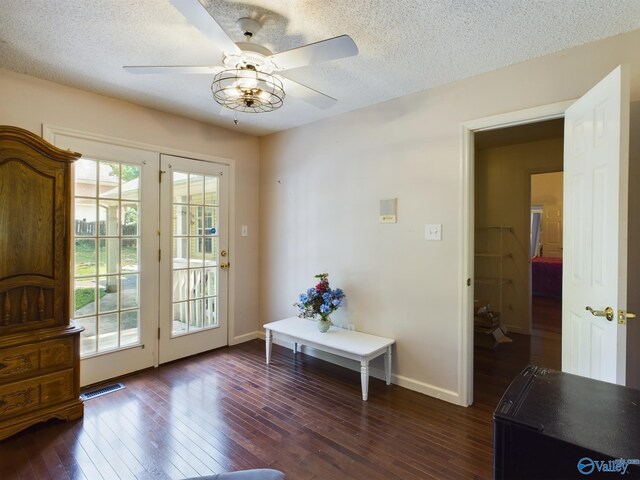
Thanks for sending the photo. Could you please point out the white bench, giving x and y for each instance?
(357, 346)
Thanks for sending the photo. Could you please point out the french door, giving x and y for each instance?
(115, 269)
(194, 257)
(150, 257)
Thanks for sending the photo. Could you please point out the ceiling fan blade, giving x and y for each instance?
(308, 94)
(194, 69)
(199, 17)
(322, 51)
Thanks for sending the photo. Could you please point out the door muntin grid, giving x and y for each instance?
(106, 268)
(195, 245)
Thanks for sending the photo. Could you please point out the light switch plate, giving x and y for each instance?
(433, 231)
(244, 230)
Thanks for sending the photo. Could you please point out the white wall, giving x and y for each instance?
(320, 188)
(546, 189)
(29, 103)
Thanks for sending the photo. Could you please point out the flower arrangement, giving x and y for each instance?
(320, 300)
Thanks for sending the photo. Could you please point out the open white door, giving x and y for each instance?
(596, 161)
(194, 261)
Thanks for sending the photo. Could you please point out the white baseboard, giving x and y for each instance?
(244, 338)
(400, 380)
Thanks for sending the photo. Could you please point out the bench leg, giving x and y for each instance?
(364, 378)
(267, 345)
(387, 365)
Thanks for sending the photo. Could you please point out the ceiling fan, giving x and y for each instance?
(250, 79)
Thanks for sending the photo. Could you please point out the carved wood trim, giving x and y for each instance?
(37, 143)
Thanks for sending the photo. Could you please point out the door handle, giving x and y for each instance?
(225, 266)
(607, 312)
(623, 315)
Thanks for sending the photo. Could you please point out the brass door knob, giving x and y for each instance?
(607, 312)
(225, 266)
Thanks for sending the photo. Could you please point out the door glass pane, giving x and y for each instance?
(88, 338)
(180, 318)
(130, 255)
(109, 298)
(85, 172)
(210, 318)
(180, 253)
(180, 187)
(130, 182)
(109, 181)
(108, 212)
(129, 328)
(130, 291)
(211, 190)
(107, 254)
(180, 220)
(85, 224)
(210, 282)
(85, 257)
(84, 296)
(130, 219)
(108, 327)
(196, 189)
(195, 246)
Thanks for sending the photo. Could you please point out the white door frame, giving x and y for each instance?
(49, 133)
(467, 167)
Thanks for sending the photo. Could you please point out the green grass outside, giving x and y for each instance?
(84, 296)
(85, 259)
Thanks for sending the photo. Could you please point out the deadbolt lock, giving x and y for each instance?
(223, 253)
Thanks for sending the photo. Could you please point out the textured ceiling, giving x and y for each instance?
(405, 46)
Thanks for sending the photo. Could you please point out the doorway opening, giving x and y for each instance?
(516, 323)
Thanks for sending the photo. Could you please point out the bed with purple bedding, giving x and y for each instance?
(546, 277)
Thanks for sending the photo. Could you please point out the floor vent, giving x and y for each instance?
(102, 391)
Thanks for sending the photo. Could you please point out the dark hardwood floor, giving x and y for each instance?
(225, 410)
(495, 368)
(546, 314)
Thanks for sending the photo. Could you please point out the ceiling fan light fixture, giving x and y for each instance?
(248, 90)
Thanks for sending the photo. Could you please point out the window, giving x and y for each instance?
(106, 255)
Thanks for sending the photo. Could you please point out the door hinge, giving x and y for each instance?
(160, 172)
(159, 254)
(158, 333)
(468, 282)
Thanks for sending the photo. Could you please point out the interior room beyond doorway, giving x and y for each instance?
(512, 328)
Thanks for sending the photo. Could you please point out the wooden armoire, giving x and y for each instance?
(39, 349)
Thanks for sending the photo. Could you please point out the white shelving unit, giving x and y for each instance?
(490, 257)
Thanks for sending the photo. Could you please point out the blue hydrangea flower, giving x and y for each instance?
(303, 298)
(324, 308)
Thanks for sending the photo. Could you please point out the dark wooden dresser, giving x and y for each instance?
(39, 349)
